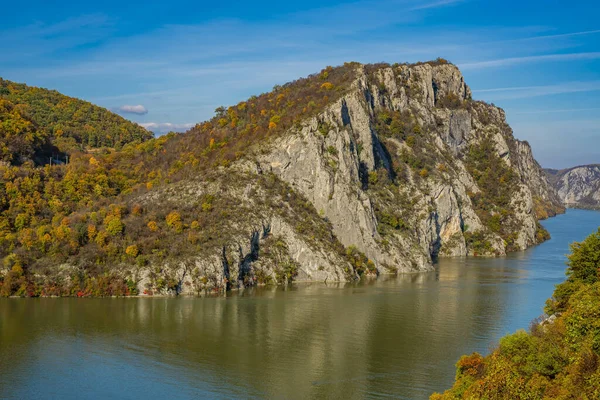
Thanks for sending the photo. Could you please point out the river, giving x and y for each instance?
(392, 337)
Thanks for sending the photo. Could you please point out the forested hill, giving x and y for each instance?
(36, 121)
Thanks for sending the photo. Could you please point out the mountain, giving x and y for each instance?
(578, 187)
(357, 170)
(36, 123)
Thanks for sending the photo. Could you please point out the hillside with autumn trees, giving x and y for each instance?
(559, 358)
(36, 123)
(264, 191)
(88, 213)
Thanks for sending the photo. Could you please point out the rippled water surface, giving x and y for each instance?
(395, 337)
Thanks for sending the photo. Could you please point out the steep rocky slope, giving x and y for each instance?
(578, 187)
(406, 167)
(392, 164)
(357, 170)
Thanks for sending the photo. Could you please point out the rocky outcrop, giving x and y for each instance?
(547, 203)
(403, 168)
(332, 156)
(577, 187)
(356, 171)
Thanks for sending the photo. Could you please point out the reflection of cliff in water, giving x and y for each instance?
(392, 336)
(311, 340)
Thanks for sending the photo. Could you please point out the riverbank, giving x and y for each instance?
(395, 337)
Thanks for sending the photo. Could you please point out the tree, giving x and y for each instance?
(584, 260)
(174, 221)
(113, 225)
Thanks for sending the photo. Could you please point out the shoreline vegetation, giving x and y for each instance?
(559, 357)
(221, 290)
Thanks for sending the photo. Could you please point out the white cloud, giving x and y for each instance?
(553, 111)
(138, 109)
(164, 127)
(530, 59)
(436, 4)
(505, 62)
(521, 92)
(562, 35)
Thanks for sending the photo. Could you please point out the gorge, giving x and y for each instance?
(358, 170)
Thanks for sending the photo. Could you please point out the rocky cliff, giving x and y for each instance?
(405, 167)
(577, 187)
(357, 170)
(393, 165)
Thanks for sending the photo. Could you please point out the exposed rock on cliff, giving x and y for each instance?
(355, 171)
(404, 167)
(578, 187)
(392, 165)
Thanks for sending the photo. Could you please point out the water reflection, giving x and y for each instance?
(390, 337)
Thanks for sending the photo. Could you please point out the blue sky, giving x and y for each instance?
(169, 64)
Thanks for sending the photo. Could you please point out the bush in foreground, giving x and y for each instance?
(557, 359)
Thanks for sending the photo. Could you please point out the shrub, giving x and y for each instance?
(584, 260)
(132, 251)
(173, 220)
(113, 225)
(153, 226)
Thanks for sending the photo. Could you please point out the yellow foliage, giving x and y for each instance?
(174, 221)
(94, 162)
(327, 86)
(27, 238)
(101, 238)
(92, 231)
(137, 209)
(272, 125)
(153, 226)
(193, 237)
(132, 250)
(17, 269)
(113, 225)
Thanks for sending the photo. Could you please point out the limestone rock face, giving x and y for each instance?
(578, 187)
(334, 158)
(401, 168)
(262, 242)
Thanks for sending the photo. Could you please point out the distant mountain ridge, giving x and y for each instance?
(577, 187)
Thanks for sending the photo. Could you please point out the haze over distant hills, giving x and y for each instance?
(577, 186)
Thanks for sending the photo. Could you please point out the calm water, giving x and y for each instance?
(389, 338)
